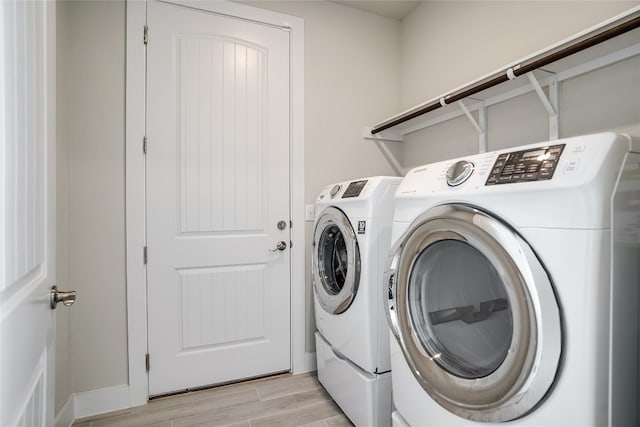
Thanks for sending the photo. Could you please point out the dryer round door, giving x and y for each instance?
(335, 261)
(475, 314)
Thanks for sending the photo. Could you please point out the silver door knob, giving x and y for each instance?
(280, 246)
(65, 297)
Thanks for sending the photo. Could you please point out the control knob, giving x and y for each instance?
(459, 172)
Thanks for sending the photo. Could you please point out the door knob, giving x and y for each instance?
(280, 246)
(65, 297)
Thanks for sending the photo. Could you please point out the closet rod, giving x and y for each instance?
(516, 71)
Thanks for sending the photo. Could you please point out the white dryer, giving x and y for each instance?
(512, 287)
(351, 243)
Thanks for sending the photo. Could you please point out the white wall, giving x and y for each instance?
(447, 44)
(91, 335)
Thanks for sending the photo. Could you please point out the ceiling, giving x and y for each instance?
(396, 9)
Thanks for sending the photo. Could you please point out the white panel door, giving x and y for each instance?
(217, 186)
(27, 211)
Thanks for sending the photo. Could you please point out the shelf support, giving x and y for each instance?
(480, 127)
(393, 162)
(554, 121)
(380, 143)
(548, 105)
(482, 139)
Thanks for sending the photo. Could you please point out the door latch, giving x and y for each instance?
(280, 246)
(65, 297)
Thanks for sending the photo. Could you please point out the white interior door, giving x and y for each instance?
(217, 187)
(27, 199)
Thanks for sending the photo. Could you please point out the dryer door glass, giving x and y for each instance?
(335, 262)
(333, 259)
(459, 308)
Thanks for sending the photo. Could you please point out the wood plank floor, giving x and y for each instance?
(279, 401)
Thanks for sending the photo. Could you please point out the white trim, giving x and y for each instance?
(297, 201)
(94, 402)
(135, 206)
(101, 401)
(311, 362)
(241, 11)
(67, 414)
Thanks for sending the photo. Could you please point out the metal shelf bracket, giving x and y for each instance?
(550, 104)
(380, 140)
(480, 127)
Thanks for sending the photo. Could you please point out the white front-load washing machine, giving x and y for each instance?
(351, 243)
(512, 287)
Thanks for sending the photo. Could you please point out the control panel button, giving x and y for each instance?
(578, 148)
(571, 166)
(335, 190)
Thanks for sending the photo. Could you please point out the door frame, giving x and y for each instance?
(135, 182)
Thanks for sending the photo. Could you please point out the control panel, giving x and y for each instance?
(354, 189)
(536, 164)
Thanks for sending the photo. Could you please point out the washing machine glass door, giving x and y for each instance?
(336, 261)
(475, 314)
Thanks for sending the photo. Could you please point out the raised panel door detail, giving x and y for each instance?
(31, 410)
(23, 157)
(221, 96)
(222, 305)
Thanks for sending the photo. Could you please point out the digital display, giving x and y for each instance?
(534, 153)
(354, 189)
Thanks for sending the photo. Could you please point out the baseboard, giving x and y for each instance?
(101, 401)
(310, 362)
(94, 402)
(67, 414)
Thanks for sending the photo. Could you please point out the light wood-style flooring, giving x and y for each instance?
(280, 401)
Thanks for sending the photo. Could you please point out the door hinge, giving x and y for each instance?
(146, 361)
(144, 145)
(144, 255)
(146, 34)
